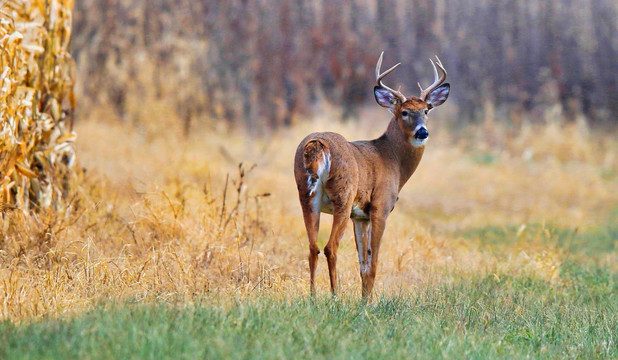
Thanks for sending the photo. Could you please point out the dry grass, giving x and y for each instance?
(155, 217)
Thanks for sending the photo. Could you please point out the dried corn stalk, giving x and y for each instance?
(37, 78)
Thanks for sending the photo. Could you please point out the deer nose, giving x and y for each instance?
(421, 134)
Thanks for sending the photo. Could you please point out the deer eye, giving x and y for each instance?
(426, 111)
(404, 113)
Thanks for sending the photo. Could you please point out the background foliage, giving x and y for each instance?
(260, 63)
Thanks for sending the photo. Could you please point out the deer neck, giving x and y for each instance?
(397, 145)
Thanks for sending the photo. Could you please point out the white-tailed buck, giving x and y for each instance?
(361, 179)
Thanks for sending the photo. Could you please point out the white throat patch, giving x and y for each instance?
(416, 142)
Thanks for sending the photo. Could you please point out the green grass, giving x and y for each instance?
(482, 318)
(499, 316)
(593, 242)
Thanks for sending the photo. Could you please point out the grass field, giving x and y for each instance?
(498, 316)
(503, 245)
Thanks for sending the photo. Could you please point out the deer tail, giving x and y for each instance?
(316, 159)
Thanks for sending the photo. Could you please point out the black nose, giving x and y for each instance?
(421, 134)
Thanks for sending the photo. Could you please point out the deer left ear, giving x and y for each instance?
(385, 97)
(438, 96)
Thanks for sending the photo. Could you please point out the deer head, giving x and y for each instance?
(411, 114)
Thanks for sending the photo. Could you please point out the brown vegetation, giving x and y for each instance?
(156, 217)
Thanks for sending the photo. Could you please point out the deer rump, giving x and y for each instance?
(322, 180)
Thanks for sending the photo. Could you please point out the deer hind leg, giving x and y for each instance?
(312, 224)
(362, 235)
(316, 163)
(340, 220)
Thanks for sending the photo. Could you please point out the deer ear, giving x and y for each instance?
(438, 96)
(385, 98)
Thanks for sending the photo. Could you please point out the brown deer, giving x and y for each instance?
(361, 179)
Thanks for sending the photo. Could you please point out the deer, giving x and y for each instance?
(361, 180)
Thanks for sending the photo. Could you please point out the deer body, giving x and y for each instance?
(360, 180)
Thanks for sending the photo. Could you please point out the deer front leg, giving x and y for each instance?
(362, 234)
(377, 230)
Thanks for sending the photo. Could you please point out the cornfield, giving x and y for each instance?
(36, 104)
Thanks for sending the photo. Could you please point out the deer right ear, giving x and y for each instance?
(438, 96)
(385, 97)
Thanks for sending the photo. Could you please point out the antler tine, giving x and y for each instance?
(378, 65)
(438, 80)
(440, 64)
(435, 71)
(379, 78)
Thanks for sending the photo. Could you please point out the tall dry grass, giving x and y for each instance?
(154, 216)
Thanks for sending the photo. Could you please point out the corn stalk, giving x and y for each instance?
(36, 103)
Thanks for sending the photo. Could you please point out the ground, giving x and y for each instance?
(502, 245)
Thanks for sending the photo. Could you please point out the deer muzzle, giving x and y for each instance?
(421, 133)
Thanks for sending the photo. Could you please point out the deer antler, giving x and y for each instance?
(379, 78)
(438, 80)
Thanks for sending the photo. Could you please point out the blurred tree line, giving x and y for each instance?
(261, 62)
